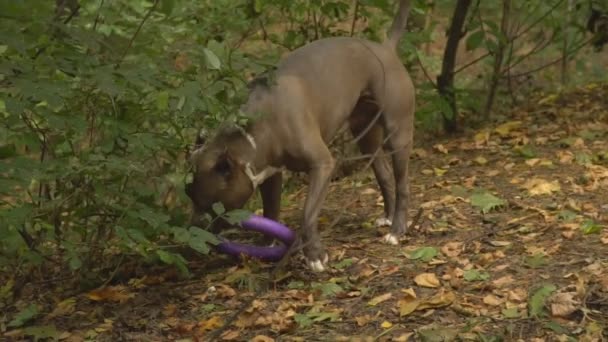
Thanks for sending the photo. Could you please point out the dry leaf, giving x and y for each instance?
(492, 300)
(517, 295)
(111, 293)
(427, 280)
(211, 323)
(539, 186)
(169, 310)
(369, 191)
(441, 148)
(440, 299)
(63, 308)
(503, 281)
(230, 335)
(564, 303)
(506, 128)
(403, 337)
(452, 249)
(363, 320)
(262, 338)
(379, 299)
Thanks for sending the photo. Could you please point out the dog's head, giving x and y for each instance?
(218, 174)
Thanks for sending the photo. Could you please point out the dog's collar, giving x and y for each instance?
(257, 179)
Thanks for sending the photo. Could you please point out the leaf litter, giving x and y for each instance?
(513, 228)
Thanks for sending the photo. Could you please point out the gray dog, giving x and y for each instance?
(317, 89)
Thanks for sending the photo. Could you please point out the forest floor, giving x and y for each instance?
(510, 243)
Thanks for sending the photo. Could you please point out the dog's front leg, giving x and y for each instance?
(319, 178)
(270, 190)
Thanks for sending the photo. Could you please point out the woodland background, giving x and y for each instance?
(101, 100)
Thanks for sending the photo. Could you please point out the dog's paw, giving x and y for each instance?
(390, 239)
(383, 222)
(318, 265)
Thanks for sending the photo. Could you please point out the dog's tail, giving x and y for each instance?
(398, 27)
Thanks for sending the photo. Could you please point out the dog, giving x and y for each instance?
(317, 89)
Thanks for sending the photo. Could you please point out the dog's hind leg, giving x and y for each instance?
(371, 144)
(399, 125)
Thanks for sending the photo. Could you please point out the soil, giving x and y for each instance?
(509, 242)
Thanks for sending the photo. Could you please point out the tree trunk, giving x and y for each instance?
(445, 80)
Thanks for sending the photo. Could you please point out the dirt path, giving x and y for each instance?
(512, 244)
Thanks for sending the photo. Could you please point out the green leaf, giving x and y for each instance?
(181, 235)
(166, 6)
(42, 332)
(566, 215)
(424, 253)
(526, 151)
(590, 227)
(535, 261)
(536, 302)
(486, 202)
(24, 316)
(218, 208)
(308, 319)
(162, 100)
(511, 313)
(344, 263)
(212, 60)
(474, 40)
(475, 275)
(237, 216)
(555, 327)
(200, 238)
(328, 289)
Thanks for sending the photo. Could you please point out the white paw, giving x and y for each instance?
(318, 265)
(383, 222)
(390, 239)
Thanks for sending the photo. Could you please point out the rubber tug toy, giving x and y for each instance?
(267, 227)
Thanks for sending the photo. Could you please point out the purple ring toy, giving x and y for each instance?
(267, 227)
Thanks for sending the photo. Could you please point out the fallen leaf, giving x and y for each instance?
(211, 323)
(492, 300)
(363, 320)
(503, 281)
(386, 324)
(230, 335)
(427, 280)
(379, 299)
(369, 191)
(440, 299)
(539, 186)
(111, 293)
(452, 249)
(481, 160)
(262, 338)
(63, 308)
(506, 128)
(441, 148)
(564, 304)
(403, 337)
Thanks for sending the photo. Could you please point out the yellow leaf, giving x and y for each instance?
(427, 280)
(481, 160)
(379, 299)
(439, 172)
(507, 127)
(63, 308)
(548, 99)
(407, 306)
(539, 186)
(440, 299)
(481, 137)
(386, 324)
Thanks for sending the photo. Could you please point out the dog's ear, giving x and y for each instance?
(225, 164)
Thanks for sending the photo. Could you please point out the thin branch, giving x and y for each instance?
(98, 15)
(355, 17)
(124, 54)
(426, 74)
(575, 50)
